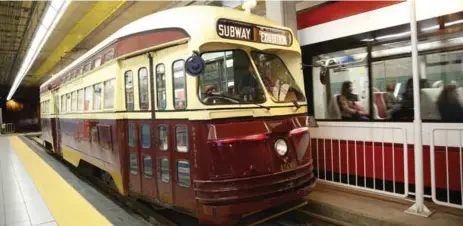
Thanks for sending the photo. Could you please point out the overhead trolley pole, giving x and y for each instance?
(418, 208)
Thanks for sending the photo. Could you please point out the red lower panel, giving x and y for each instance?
(366, 159)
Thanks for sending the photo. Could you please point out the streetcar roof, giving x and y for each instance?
(198, 21)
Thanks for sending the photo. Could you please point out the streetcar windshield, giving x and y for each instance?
(229, 78)
(277, 78)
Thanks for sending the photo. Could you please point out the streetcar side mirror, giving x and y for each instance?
(195, 65)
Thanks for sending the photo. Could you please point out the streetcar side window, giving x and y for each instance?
(163, 138)
(68, 102)
(143, 91)
(161, 86)
(183, 173)
(109, 56)
(74, 101)
(97, 62)
(346, 69)
(165, 170)
(63, 103)
(109, 94)
(97, 97)
(181, 138)
(145, 136)
(178, 73)
(88, 98)
(132, 135)
(80, 100)
(129, 105)
(133, 163)
(147, 166)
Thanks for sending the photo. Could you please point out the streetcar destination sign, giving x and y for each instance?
(237, 30)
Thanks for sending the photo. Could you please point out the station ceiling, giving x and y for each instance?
(18, 21)
(83, 25)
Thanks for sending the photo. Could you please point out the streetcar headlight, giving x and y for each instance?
(281, 147)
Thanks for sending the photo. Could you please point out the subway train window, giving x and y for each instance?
(165, 170)
(161, 86)
(129, 98)
(109, 94)
(97, 98)
(229, 78)
(341, 84)
(178, 73)
(74, 101)
(80, 100)
(181, 138)
(88, 98)
(143, 84)
(163, 138)
(147, 166)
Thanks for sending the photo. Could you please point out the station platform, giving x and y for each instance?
(348, 207)
(36, 189)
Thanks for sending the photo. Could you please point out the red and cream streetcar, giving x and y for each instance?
(206, 115)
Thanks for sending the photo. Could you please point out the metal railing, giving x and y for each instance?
(8, 128)
(334, 145)
(447, 143)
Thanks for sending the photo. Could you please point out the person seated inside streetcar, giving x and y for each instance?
(350, 108)
(449, 106)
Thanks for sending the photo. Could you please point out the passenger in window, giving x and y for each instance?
(210, 91)
(248, 86)
(391, 101)
(406, 105)
(350, 109)
(449, 106)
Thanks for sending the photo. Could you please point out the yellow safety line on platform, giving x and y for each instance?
(99, 13)
(68, 207)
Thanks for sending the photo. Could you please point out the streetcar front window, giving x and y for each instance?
(229, 78)
(277, 78)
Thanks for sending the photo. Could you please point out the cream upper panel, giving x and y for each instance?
(200, 22)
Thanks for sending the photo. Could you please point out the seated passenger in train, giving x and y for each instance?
(391, 101)
(350, 109)
(449, 106)
(405, 111)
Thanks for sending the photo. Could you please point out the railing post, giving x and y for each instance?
(418, 208)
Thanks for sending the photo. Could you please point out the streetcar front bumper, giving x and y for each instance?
(237, 197)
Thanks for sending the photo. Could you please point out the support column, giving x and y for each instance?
(418, 208)
(282, 12)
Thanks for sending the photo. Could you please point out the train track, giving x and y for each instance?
(289, 215)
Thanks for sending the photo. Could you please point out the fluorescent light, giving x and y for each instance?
(367, 40)
(393, 35)
(47, 19)
(453, 23)
(435, 27)
(48, 23)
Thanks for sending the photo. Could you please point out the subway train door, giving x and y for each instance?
(162, 132)
(131, 128)
(146, 129)
(55, 124)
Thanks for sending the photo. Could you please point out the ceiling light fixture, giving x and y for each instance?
(50, 19)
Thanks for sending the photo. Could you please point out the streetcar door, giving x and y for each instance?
(146, 129)
(132, 129)
(55, 124)
(164, 164)
(162, 134)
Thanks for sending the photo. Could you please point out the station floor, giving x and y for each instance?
(36, 189)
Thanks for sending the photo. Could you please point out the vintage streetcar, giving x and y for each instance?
(206, 116)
